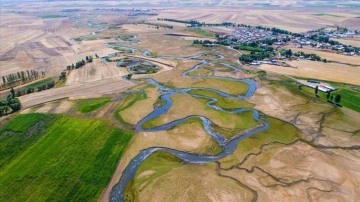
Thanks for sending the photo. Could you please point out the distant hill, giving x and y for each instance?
(210, 3)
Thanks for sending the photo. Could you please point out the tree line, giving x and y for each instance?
(36, 88)
(329, 96)
(312, 56)
(80, 63)
(10, 105)
(19, 78)
(157, 26)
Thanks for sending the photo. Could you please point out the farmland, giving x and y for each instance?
(156, 116)
(59, 142)
(318, 70)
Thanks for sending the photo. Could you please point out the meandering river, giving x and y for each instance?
(229, 146)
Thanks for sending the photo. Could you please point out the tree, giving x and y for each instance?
(337, 98)
(29, 90)
(128, 77)
(12, 91)
(62, 76)
(328, 95)
(288, 53)
(332, 97)
(316, 90)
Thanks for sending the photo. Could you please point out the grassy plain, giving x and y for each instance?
(201, 72)
(279, 131)
(67, 159)
(153, 167)
(225, 103)
(185, 105)
(89, 105)
(202, 32)
(128, 112)
(201, 182)
(227, 86)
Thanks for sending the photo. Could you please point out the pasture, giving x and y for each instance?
(89, 105)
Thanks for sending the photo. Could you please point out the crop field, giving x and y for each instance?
(351, 60)
(318, 70)
(292, 20)
(355, 41)
(95, 71)
(43, 44)
(53, 163)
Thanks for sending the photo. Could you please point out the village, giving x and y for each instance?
(266, 45)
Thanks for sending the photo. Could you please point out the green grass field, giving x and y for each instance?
(58, 158)
(18, 135)
(89, 105)
(202, 32)
(279, 131)
(129, 101)
(239, 122)
(160, 162)
(225, 103)
(349, 98)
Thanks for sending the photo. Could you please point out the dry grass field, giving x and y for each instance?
(42, 44)
(156, 41)
(318, 70)
(355, 41)
(330, 56)
(91, 89)
(292, 20)
(96, 71)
